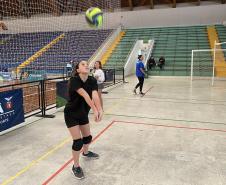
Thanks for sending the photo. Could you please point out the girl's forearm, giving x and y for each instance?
(96, 101)
(88, 100)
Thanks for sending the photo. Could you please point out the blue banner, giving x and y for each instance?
(11, 109)
(62, 93)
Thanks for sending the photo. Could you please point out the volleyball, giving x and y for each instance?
(94, 17)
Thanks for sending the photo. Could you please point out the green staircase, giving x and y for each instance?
(119, 55)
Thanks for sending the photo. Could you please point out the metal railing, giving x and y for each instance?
(40, 95)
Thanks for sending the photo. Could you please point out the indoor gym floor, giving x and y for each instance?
(174, 135)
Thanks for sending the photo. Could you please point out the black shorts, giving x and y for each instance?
(72, 121)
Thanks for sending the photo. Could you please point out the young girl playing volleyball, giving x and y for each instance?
(83, 95)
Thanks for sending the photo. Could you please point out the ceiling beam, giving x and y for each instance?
(152, 4)
(131, 4)
(142, 3)
(174, 4)
(55, 8)
(25, 8)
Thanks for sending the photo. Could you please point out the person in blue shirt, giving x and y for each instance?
(140, 73)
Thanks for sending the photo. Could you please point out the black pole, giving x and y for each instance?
(39, 97)
(43, 103)
(114, 76)
(42, 98)
(123, 75)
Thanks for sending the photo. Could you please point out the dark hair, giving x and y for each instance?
(74, 73)
(100, 64)
(76, 66)
(139, 57)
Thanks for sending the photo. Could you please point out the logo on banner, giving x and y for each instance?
(11, 115)
(9, 103)
(6, 110)
(6, 107)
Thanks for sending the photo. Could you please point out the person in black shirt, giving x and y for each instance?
(161, 62)
(151, 62)
(83, 95)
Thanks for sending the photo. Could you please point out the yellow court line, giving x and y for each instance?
(34, 162)
(57, 147)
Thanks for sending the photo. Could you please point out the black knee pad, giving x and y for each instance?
(87, 140)
(77, 145)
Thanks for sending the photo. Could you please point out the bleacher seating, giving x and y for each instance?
(16, 48)
(76, 45)
(174, 43)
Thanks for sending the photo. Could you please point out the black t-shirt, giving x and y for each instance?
(162, 60)
(76, 103)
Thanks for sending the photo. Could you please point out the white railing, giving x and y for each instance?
(149, 51)
(130, 65)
